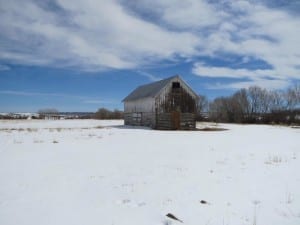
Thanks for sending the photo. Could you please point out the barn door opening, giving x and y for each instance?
(175, 117)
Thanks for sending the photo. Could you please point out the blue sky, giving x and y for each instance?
(80, 55)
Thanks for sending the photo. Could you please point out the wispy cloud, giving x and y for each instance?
(29, 93)
(150, 76)
(265, 83)
(80, 98)
(4, 67)
(201, 69)
(24, 93)
(267, 78)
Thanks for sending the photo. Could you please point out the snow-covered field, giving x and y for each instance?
(82, 172)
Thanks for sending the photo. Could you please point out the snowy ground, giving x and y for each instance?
(81, 172)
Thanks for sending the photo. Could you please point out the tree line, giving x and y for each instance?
(253, 105)
(104, 113)
(247, 105)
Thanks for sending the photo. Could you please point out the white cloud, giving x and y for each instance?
(208, 71)
(150, 76)
(189, 14)
(264, 83)
(120, 34)
(260, 33)
(267, 78)
(94, 35)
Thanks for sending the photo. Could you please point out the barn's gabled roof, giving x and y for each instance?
(149, 90)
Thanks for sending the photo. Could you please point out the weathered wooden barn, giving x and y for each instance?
(168, 104)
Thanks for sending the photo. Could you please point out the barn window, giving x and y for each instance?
(137, 117)
(175, 85)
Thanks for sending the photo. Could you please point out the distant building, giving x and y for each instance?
(168, 104)
(50, 116)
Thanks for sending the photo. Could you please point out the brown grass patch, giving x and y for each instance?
(212, 129)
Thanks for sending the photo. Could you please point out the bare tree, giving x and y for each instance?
(257, 104)
(277, 101)
(118, 114)
(253, 97)
(104, 113)
(218, 110)
(293, 97)
(259, 100)
(202, 107)
(202, 104)
(240, 105)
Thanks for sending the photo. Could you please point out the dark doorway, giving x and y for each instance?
(175, 119)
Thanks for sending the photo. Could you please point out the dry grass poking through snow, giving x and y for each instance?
(212, 129)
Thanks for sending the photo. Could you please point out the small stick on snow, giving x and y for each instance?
(173, 217)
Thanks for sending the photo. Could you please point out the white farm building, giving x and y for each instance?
(168, 104)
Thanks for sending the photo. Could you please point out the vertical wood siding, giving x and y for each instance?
(164, 121)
